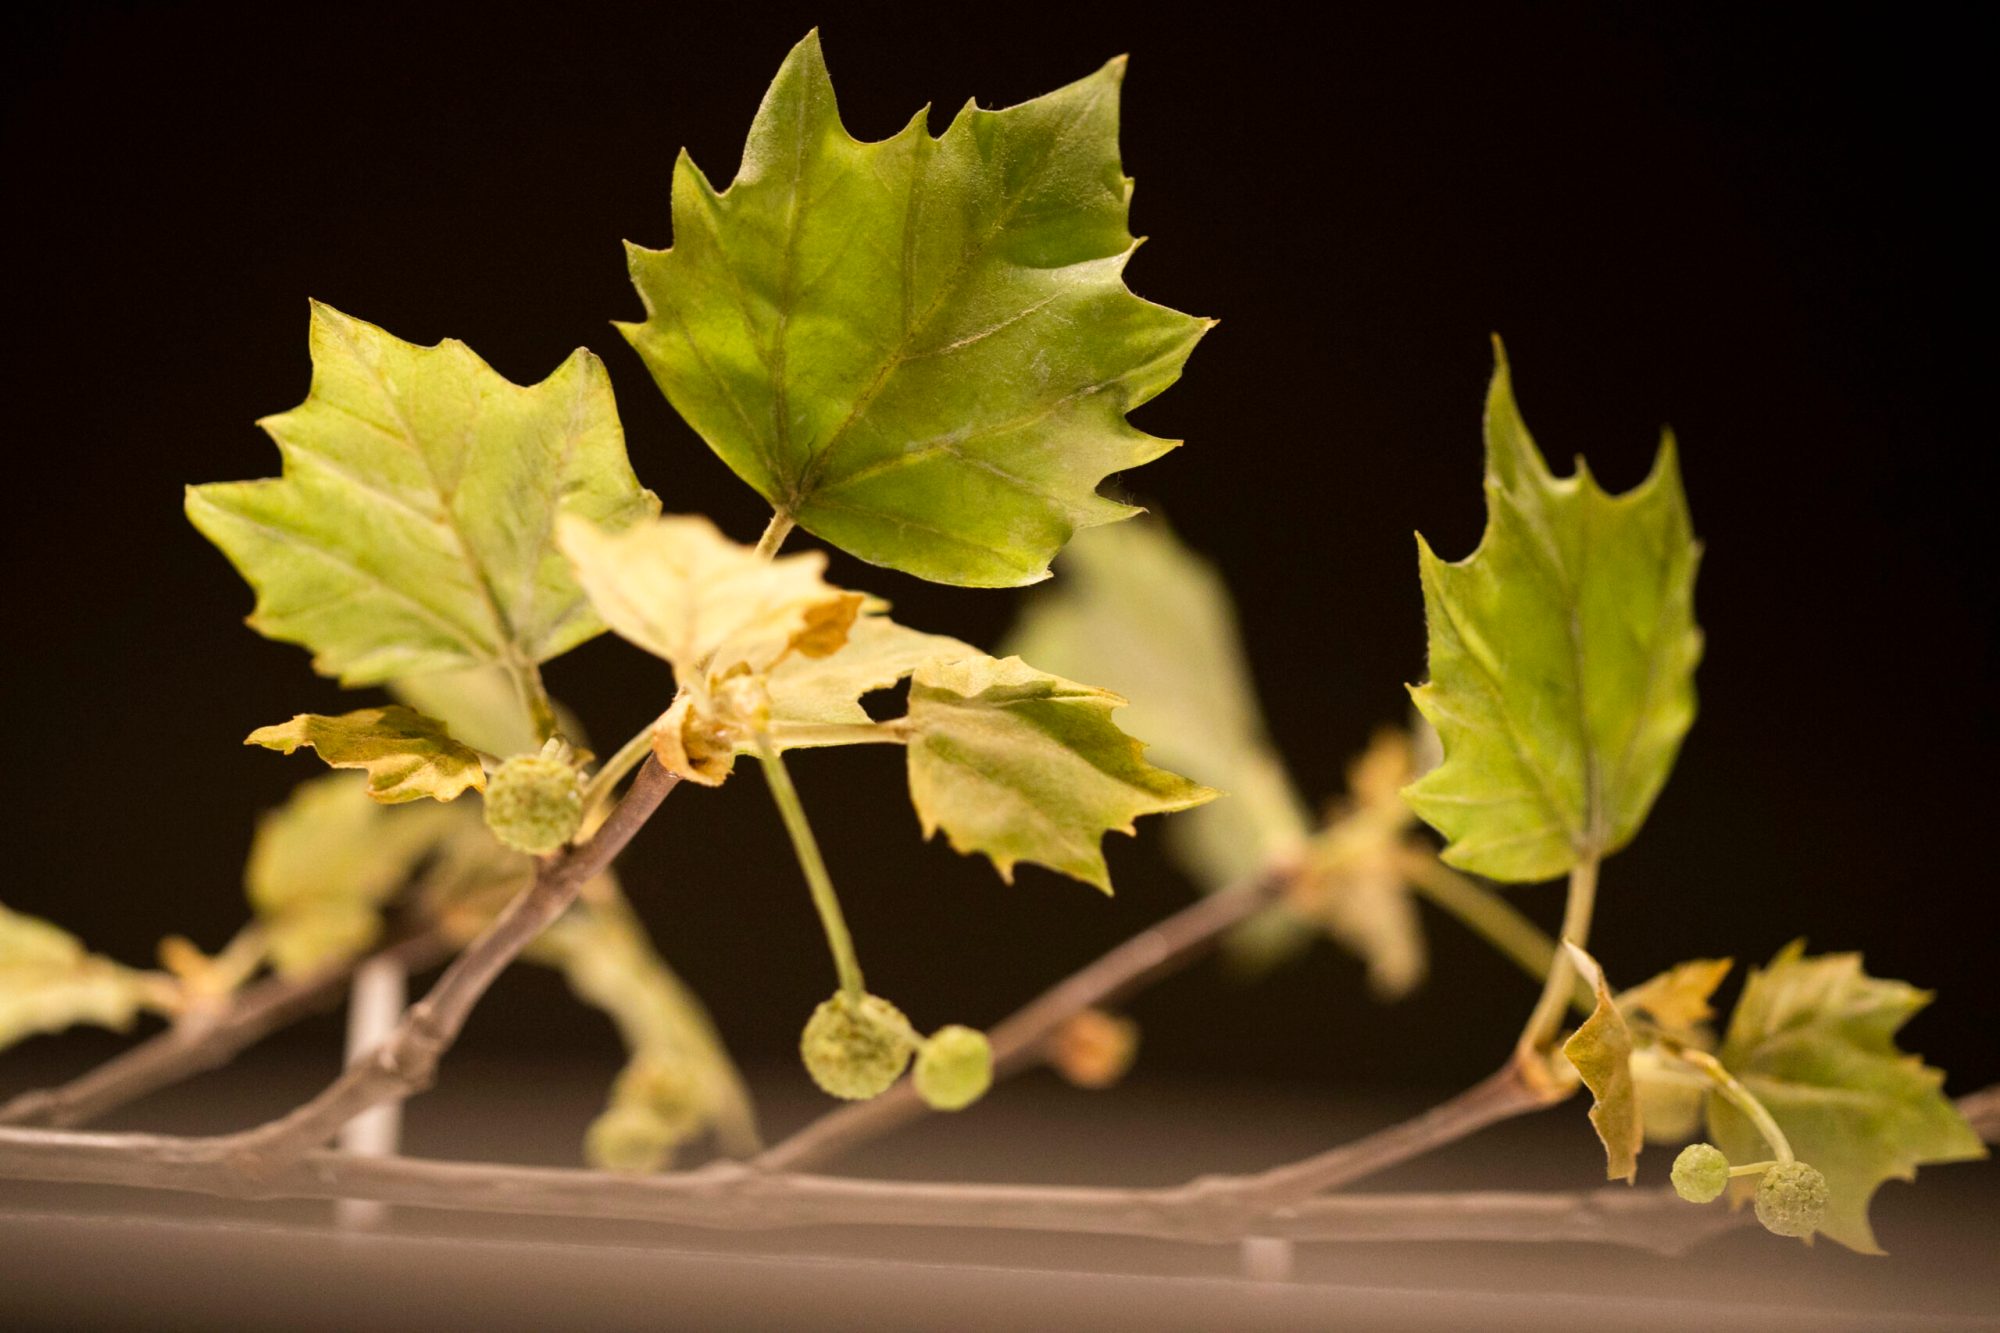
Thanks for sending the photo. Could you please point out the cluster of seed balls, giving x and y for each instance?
(1791, 1196)
(854, 1049)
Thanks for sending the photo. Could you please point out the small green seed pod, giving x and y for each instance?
(1701, 1173)
(1791, 1199)
(534, 803)
(856, 1049)
(629, 1139)
(954, 1069)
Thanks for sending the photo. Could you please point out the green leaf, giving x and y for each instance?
(413, 528)
(406, 755)
(921, 349)
(1601, 1050)
(322, 865)
(49, 981)
(1025, 766)
(1562, 657)
(1138, 611)
(1814, 1040)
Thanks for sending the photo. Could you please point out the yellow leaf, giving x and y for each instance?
(406, 755)
(684, 592)
(1601, 1050)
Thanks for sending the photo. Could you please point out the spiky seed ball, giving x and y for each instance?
(1791, 1199)
(1701, 1173)
(534, 803)
(629, 1139)
(954, 1068)
(856, 1049)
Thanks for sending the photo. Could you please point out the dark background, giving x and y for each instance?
(1757, 229)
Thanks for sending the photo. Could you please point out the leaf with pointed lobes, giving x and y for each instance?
(413, 530)
(1562, 657)
(1814, 1040)
(923, 349)
(406, 755)
(1021, 765)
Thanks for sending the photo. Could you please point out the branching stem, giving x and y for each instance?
(405, 1063)
(207, 1037)
(730, 1197)
(734, 1197)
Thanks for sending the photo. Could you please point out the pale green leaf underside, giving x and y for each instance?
(1601, 1050)
(49, 981)
(413, 529)
(921, 349)
(1562, 657)
(322, 865)
(406, 755)
(477, 705)
(1814, 1039)
(1024, 766)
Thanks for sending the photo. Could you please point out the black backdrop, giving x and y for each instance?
(1762, 232)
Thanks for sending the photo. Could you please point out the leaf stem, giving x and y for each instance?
(626, 758)
(806, 848)
(1744, 1100)
(1549, 1009)
(780, 527)
(796, 734)
(1486, 914)
(527, 679)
